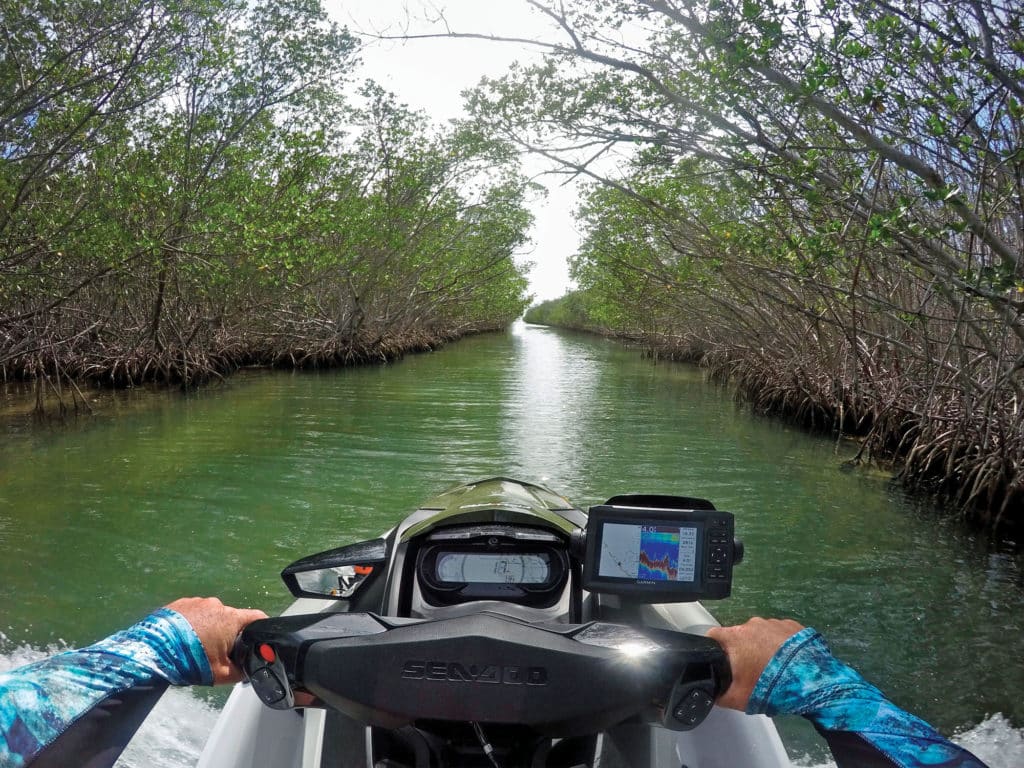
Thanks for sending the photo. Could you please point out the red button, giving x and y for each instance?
(267, 653)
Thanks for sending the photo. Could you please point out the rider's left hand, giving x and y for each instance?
(217, 626)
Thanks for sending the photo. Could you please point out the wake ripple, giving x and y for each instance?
(994, 740)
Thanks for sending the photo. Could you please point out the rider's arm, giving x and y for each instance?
(862, 727)
(82, 707)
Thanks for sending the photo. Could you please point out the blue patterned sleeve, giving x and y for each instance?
(40, 701)
(804, 678)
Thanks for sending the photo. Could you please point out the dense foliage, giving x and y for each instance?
(186, 186)
(574, 310)
(822, 201)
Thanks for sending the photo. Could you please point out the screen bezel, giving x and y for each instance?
(654, 590)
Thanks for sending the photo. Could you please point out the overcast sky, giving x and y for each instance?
(430, 75)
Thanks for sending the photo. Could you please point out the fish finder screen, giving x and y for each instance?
(649, 552)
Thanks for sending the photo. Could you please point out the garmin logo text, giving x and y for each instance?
(454, 671)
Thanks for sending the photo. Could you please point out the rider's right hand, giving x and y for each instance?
(750, 647)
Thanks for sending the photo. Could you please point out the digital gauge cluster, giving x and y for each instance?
(527, 566)
(485, 568)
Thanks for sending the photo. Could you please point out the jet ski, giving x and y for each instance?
(500, 626)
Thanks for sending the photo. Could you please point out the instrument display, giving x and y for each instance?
(493, 568)
(514, 564)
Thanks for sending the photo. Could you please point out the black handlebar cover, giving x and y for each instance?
(561, 679)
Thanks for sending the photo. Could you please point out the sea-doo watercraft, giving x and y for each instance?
(500, 626)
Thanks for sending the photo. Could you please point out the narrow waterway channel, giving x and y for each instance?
(214, 493)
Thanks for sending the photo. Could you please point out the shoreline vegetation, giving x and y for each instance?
(190, 188)
(46, 396)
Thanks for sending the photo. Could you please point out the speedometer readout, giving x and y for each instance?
(488, 568)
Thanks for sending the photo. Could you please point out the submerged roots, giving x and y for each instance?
(941, 439)
(55, 375)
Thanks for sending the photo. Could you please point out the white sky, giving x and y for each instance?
(431, 74)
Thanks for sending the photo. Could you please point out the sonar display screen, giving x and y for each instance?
(648, 552)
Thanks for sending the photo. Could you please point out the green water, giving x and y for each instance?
(213, 494)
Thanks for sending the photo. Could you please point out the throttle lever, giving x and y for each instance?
(237, 655)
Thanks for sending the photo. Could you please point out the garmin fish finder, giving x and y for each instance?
(655, 554)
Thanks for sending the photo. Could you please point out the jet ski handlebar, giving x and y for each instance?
(561, 679)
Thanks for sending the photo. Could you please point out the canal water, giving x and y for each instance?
(107, 517)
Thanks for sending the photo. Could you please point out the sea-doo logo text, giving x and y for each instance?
(454, 671)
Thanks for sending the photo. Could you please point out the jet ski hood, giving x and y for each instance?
(496, 500)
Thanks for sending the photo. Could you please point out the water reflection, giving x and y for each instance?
(549, 399)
